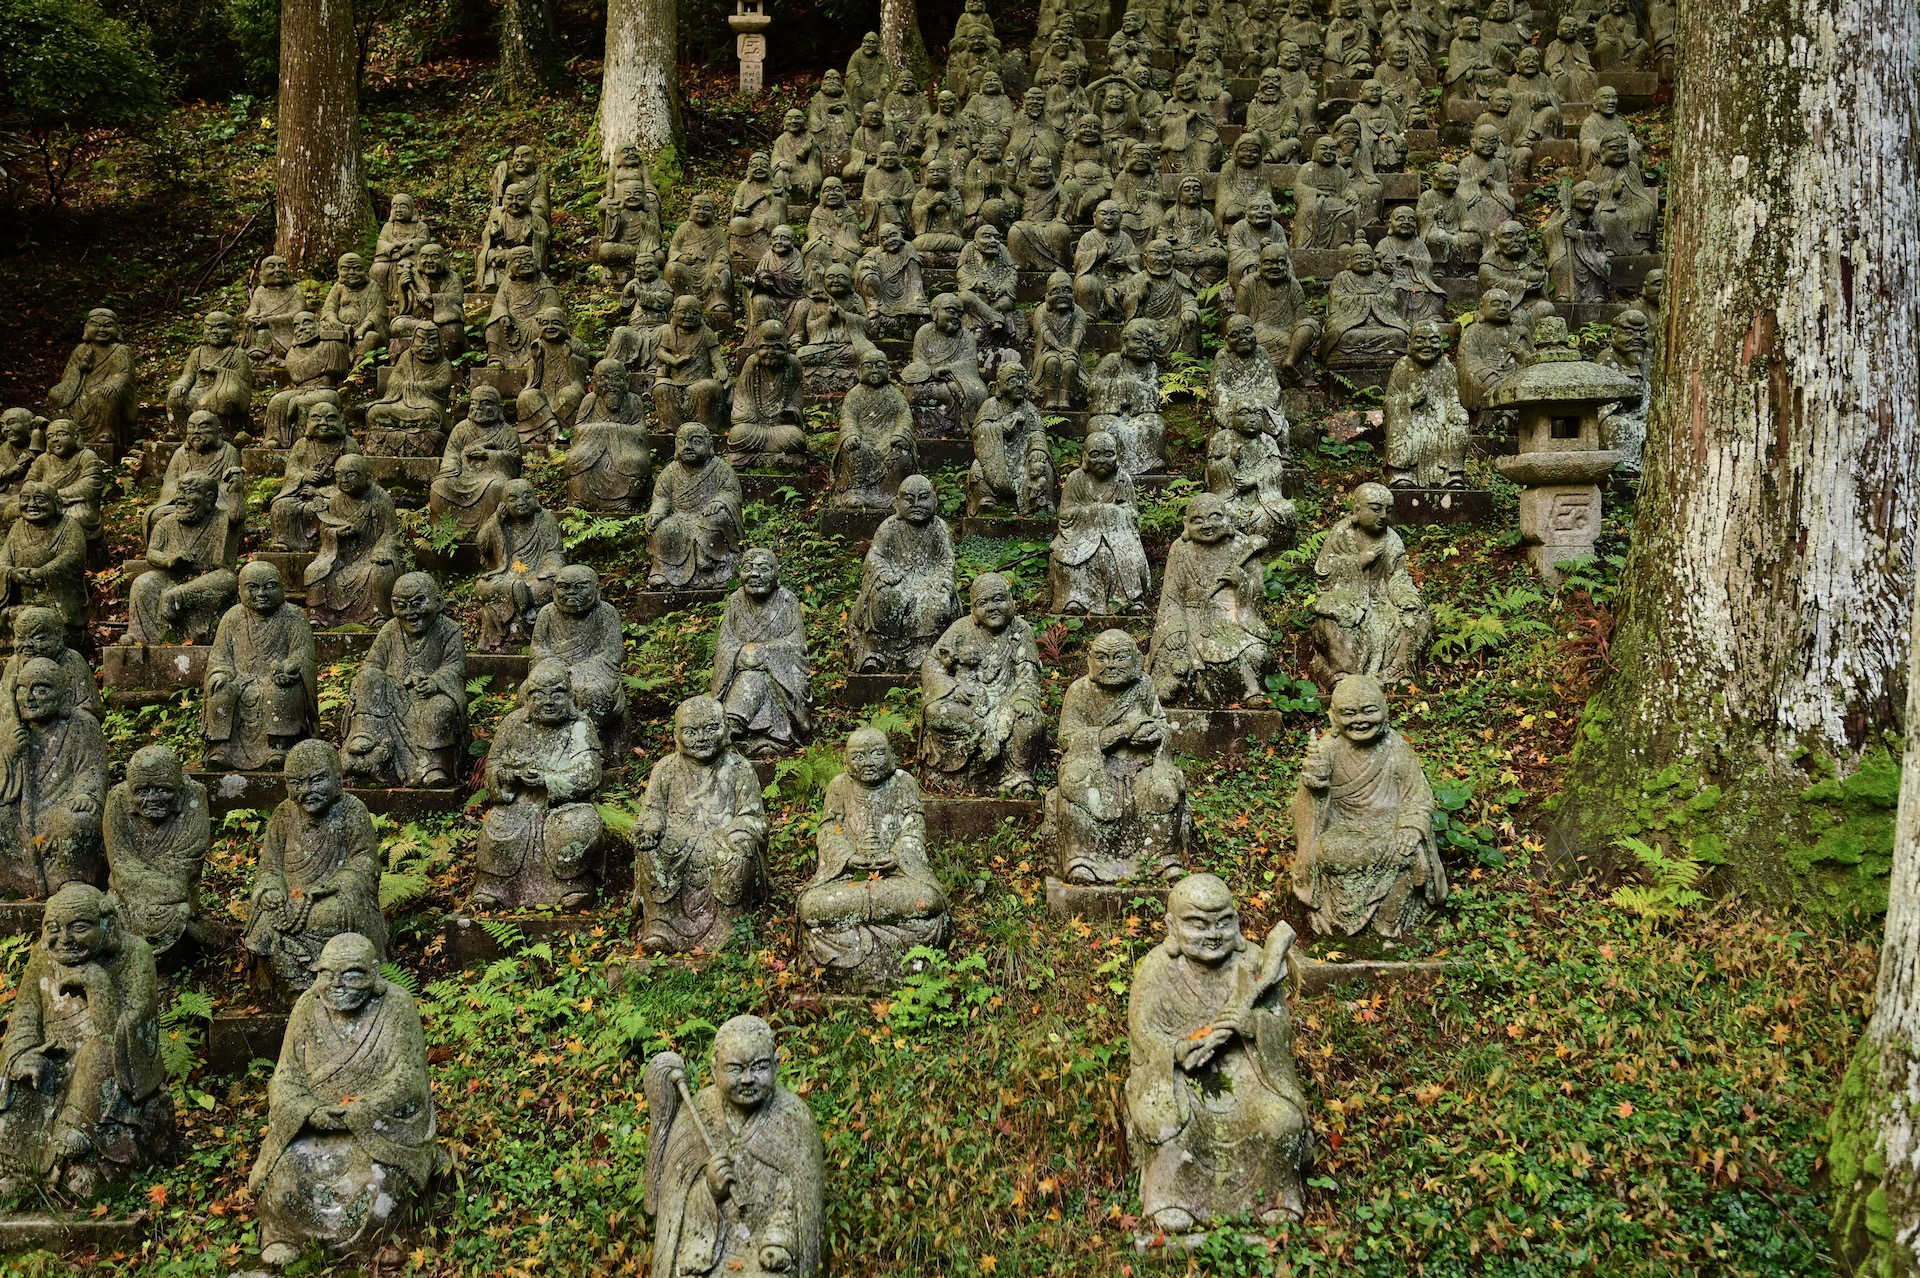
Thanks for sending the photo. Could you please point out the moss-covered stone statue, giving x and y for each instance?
(980, 693)
(318, 876)
(1216, 1118)
(872, 897)
(761, 672)
(701, 842)
(84, 1101)
(218, 378)
(907, 596)
(1364, 852)
(521, 552)
(39, 632)
(538, 839)
(43, 561)
(350, 1126)
(735, 1172)
(407, 714)
(100, 389)
(190, 582)
(582, 632)
(53, 773)
(1211, 642)
(262, 682)
(157, 834)
(694, 528)
(1372, 620)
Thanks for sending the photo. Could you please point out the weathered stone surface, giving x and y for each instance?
(952, 820)
(1371, 619)
(1312, 977)
(981, 721)
(467, 942)
(1086, 901)
(1207, 734)
(1442, 506)
(871, 689)
(651, 605)
(69, 1235)
(260, 791)
(236, 1040)
(538, 839)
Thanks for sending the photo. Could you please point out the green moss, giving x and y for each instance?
(1862, 1225)
(1847, 852)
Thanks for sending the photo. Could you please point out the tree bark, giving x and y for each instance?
(639, 102)
(901, 40)
(320, 195)
(1763, 618)
(530, 64)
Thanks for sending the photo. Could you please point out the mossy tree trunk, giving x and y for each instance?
(530, 63)
(901, 40)
(320, 193)
(638, 100)
(1763, 617)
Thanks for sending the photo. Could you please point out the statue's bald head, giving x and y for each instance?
(154, 765)
(78, 901)
(744, 1038)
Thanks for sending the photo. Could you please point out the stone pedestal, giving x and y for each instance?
(1442, 505)
(872, 689)
(65, 1234)
(1559, 522)
(957, 820)
(852, 525)
(994, 526)
(467, 943)
(1206, 734)
(234, 1042)
(262, 791)
(1072, 900)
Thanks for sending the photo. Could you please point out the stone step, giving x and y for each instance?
(162, 666)
(1442, 506)
(410, 475)
(262, 791)
(467, 943)
(236, 1040)
(69, 1235)
(961, 820)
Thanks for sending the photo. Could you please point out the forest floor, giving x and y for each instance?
(1588, 1091)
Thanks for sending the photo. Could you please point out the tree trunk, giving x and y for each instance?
(639, 103)
(320, 201)
(1764, 606)
(530, 63)
(900, 38)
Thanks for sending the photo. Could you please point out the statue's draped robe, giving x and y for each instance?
(708, 867)
(1345, 862)
(247, 715)
(337, 852)
(873, 896)
(419, 732)
(894, 623)
(767, 701)
(154, 867)
(52, 780)
(1097, 563)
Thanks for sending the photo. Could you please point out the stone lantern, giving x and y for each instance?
(750, 21)
(1558, 399)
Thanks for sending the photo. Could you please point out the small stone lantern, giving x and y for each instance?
(750, 22)
(1558, 399)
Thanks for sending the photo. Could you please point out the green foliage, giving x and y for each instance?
(1596, 576)
(1669, 891)
(1459, 836)
(1161, 511)
(1848, 852)
(1184, 376)
(1459, 634)
(70, 76)
(1292, 694)
(938, 993)
(180, 1032)
(580, 527)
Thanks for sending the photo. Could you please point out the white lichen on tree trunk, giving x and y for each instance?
(901, 41)
(320, 195)
(638, 101)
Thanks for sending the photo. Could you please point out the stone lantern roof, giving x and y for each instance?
(1561, 376)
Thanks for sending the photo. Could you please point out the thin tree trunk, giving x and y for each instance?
(530, 63)
(639, 102)
(900, 38)
(1764, 606)
(320, 197)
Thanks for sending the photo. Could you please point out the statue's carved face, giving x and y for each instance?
(1205, 928)
(426, 344)
(275, 273)
(1323, 150)
(795, 123)
(314, 786)
(520, 500)
(1402, 224)
(781, 239)
(353, 270)
(1607, 101)
(700, 731)
(485, 410)
(1290, 55)
(987, 239)
(521, 266)
(102, 329)
(946, 315)
(36, 700)
(1370, 508)
(869, 757)
(915, 503)
(760, 573)
(874, 371)
(218, 330)
(745, 1074)
(1113, 663)
(693, 446)
(525, 163)
(153, 797)
(1357, 714)
(1241, 339)
(1207, 522)
(1512, 240)
(47, 641)
(39, 508)
(518, 200)
(352, 477)
(429, 261)
(1100, 458)
(1014, 383)
(553, 328)
(1107, 217)
(1427, 344)
(417, 609)
(833, 194)
(73, 937)
(1496, 306)
(550, 701)
(324, 422)
(63, 439)
(993, 605)
(402, 210)
(1137, 343)
(1360, 261)
(263, 592)
(1500, 102)
(889, 157)
(306, 329)
(195, 502)
(346, 988)
(1371, 93)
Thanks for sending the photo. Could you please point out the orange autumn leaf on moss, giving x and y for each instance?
(157, 1195)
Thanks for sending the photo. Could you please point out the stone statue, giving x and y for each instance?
(886, 188)
(690, 378)
(907, 596)
(84, 1102)
(512, 224)
(607, 463)
(189, 583)
(629, 231)
(1509, 263)
(1579, 268)
(1626, 209)
(433, 293)
(512, 323)
(39, 632)
(410, 419)
(937, 217)
(736, 1176)
(1216, 1117)
(22, 439)
(795, 154)
(694, 528)
(309, 472)
(1244, 376)
(1103, 261)
(582, 632)
(1119, 812)
(357, 305)
(1364, 852)
(157, 834)
(778, 288)
(698, 262)
(701, 841)
(1165, 297)
(1492, 349)
(1210, 639)
(100, 389)
(43, 562)
(980, 689)
(890, 279)
(1425, 423)
(990, 290)
(218, 377)
(1246, 467)
(522, 168)
(873, 897)
(1096, 563)
(1059, 331)
(349, 582)
(761, 671)
(943, 379)
(1372, 620)
(1404, 258)
(406, 717)
(481, 458)
(1364, 325)
(834, 323)
(398, 244)
(1275, 301)
(1012, 467)
(555, 368)
(876, 452)
(275, 300)
(319, 874)
(759, 205)
(538, 839)
(203, 453)
(53, 772)
(75, 473)
(262, 683)
(350, 1124)
(521, 551)
(1629, 352)
(769, 404)
(1124, 399)
(1326, 212)
(1040, 239)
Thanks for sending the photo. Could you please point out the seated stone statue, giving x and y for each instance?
(205, 454)
(1425, 423)
(1244, 376)
(262, 684)
(1623, 425)
(410, 419)
(357, 305)
(555, 369)
(581, 631)
(1277, 304)
(778, 288)
(1510, 264)
(350, 1127)
(1059, 331)
(1364, 853)
(22, 439)
(629, 231)
(1493, 349)
(761, 672)
(907, 596)
(608, 466)
(698, 262)
(980, 689)
(693, 528)
(886, 188)
(1246, 467)
(1124, 399)
(398, 243)
(937, 214)
(1372, 620)
(309, 472)
(943, 381)
(43, 562)
(511, 326)
(100, 389)
(189, 583)
(876, 451)
(1012, 470)
(759, 205)
(769, 404)
(157, 835)
(53, 772)
(1579, 268)
(796, 155)
(1364, 323)
(271, 306)
(1096, 563)
(832, 329)
(406, 716)
(1249, 238)
(1210, 638)
(84, 1101)
(481, 458)
(1216, 1117)
(431, 292)
(738, 1184)
(75, 473)
(1040, 239)
(1105, 259)
(1327, 211)
(513, 225)
(1119, 812)
(1163, 296)
(538, 839)
(39, 632)
(690, 378)
(873, 897)
(701, 841)
(351, 579)
(890, 279)
(218, 378)
(1404, 258)
(833, 232)
(989, 290)
(521, 551)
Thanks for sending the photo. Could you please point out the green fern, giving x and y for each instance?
(1670, 891)
(180, 1035)
(397, 975)
(403, 885)
(504, 934)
